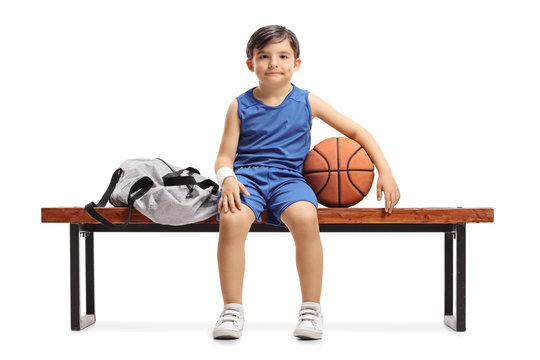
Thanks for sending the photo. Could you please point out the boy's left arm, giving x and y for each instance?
(353, 130)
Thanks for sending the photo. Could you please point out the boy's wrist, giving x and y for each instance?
(383, 168)
(223, 173)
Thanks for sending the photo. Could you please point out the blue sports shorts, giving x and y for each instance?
(273, 189)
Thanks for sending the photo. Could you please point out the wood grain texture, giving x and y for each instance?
(326, 215)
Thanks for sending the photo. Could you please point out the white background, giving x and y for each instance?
(449, 90)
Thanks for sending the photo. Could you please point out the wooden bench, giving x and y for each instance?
(450, 221)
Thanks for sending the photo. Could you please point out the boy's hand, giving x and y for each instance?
(387, 184)
(230, 195)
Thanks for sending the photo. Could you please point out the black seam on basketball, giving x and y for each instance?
(366, 154)
(338, 180)
(328, 172)
(325, 171)
(349, 176)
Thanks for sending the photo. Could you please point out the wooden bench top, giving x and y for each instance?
(326, 215)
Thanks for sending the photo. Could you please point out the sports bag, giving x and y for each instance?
(164, 193)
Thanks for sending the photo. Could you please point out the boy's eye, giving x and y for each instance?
(263, 57)
(283, 56)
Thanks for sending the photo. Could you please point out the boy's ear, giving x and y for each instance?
(249, 63)
(297, 63)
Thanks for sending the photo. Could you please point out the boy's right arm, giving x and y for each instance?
(230, 193)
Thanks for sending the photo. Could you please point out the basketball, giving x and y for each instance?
(339, 171)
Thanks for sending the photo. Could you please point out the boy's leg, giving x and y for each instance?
(302, 221)
(233, 230)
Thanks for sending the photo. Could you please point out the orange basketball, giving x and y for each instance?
(339, 171)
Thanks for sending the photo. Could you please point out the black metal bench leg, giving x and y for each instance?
(448, 273)
(78, 322)
(90, 302)
(456, 322)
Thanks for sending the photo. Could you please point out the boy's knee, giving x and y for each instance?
(238, 218)
(300, 213)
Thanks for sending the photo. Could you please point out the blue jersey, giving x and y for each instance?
(274, 136)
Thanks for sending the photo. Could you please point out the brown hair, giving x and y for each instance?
(272, 34)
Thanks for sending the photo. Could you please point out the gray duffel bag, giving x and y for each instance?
(164, 193)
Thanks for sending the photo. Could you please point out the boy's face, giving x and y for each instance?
(274, 64)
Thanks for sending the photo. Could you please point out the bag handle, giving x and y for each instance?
(193, 170)
(176, 179)
(137, 190)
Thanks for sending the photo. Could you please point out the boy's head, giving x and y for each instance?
(272, 34)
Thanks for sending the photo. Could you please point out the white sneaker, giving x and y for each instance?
(310, 322)
(230, 323)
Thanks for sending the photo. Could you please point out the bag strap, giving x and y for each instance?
(114, 180)
(137, 190)
(193, 170)
(176, 179)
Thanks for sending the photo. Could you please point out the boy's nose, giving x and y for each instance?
(273, 62)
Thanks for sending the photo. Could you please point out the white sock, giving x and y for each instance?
(311, 305)
(234, 306)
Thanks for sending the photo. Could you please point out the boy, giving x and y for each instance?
(266, 140)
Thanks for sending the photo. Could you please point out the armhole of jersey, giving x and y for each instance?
(238, 112)
(309, 109)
